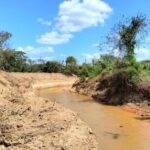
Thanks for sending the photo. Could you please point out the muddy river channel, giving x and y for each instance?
(115, 128)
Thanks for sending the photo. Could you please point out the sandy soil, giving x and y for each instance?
(30, 122)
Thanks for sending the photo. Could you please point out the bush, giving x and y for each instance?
(117, 87)
(53, 67)
(133, 75)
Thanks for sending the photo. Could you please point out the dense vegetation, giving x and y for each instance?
(119, 80)
(16, 61)
(124, 37)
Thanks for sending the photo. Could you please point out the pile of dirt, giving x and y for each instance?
(30, 122)
(110, 89)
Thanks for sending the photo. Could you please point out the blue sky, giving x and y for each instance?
(55, 29)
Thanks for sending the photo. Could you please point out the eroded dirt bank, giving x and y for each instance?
(30, 122)
(105, 90)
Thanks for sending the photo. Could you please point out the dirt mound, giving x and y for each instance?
(31, 122)
(113, 89)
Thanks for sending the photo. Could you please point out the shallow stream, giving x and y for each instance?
(115, 128)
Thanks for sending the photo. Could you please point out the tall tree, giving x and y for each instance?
(53, 67)
(4, 37)
(126, 35)
(71, 61)
(71, 65)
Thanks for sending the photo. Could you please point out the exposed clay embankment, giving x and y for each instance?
(105, 90)
(30, 122)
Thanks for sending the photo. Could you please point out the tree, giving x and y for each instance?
(85, 70)
(4, 37)
(108, 62)
(53, 67)
(71, 65)
(11, 60)
(71, 61)
(126, 35)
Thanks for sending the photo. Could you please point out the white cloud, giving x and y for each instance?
(63, 55)
(53, 38)
(74, 16)
(34, 50)
(43, 22)
(89, 57)
(43, 58)
(96, 45)
(142, 53)
(148, 40)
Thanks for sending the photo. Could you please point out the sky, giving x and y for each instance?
(55, 29)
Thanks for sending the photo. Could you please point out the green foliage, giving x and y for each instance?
(145, 69)
(71, 61)
(86, 70)
(71, 66)
(71, 70)
(53, 67)
(133, 75)
(125, 38)
(106, 63)
(11, 60)
(4, 37)
(145, 64)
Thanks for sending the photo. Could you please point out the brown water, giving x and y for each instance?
(115, 129)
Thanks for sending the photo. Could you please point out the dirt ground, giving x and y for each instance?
(30, 122)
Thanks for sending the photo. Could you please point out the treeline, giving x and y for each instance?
(124, 37)
(16, 61)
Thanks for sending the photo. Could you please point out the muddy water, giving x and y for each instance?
(115, 129)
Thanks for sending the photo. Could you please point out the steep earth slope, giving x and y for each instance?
(30, 122)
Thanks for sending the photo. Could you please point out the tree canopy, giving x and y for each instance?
(126, 35)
